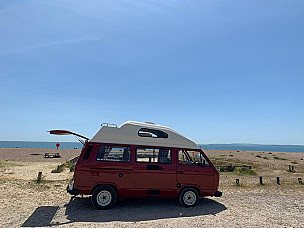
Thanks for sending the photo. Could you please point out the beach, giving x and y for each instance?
(24, 203)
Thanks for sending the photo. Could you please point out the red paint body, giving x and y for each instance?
(133, 179)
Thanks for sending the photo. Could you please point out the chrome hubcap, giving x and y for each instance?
(104, 198)
(189, 198)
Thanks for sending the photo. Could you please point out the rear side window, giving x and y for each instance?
(153, 155)
(114, 153)
(88, 152)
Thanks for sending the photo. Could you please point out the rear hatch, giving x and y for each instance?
(80, 138)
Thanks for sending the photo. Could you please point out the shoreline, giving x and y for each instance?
(231, 146)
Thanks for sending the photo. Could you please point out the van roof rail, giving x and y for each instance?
(108, 125)
(150, 123)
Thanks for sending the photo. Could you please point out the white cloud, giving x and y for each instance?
(50, 44)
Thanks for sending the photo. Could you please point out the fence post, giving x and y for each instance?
(39, 177)
(261, 180)
(278, 180)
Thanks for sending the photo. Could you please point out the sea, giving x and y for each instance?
(233, 146)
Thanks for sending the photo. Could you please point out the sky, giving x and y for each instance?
(217, 71)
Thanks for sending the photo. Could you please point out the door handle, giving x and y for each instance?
(180, 172)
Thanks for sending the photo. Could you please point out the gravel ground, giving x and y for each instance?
(36, 155)
(25, 203)
(46, 204)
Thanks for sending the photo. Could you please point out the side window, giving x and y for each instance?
(186, 157)
(114, 153)
(152, 155)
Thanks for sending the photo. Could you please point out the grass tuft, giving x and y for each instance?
(244, 171)
(60, 168)
(278, 158)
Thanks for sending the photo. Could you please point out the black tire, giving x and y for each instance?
(104, 197)
(188, 197)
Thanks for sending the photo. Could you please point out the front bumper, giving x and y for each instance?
(218, 194)
(71, 190)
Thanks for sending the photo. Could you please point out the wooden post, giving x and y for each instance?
(300, 180)
(261, 180)
(237, 181)
(278, 180)
(39, 177)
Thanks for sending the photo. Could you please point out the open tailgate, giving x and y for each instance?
(65, 132)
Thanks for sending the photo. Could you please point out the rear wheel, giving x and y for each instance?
(188, 197)
(104, 197)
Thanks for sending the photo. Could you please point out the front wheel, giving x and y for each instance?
(104, 197)
(188, 197)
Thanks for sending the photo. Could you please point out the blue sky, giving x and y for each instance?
(216, 71)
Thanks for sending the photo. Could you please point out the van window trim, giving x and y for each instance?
(130, 159)
(87, 154)
(171, 151)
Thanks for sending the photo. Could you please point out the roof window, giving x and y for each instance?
(146, 132)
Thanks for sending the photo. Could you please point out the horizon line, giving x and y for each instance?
(196, 143)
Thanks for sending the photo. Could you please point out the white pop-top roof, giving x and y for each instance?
(127, 133)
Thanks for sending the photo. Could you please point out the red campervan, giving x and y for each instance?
(142, 160)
